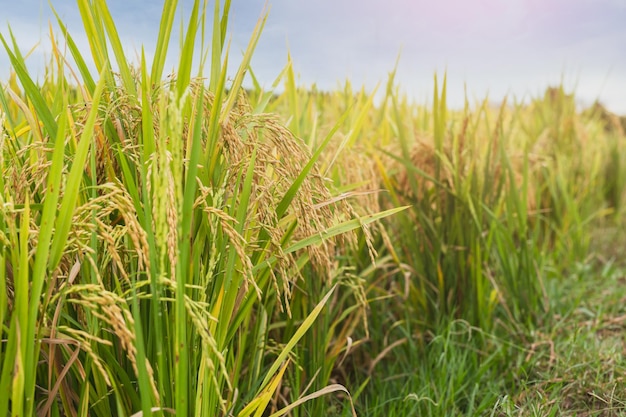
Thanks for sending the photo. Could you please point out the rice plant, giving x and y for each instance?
(503, 202)
(153, 230)
(182, 244)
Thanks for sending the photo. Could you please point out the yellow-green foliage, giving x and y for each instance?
(152, 234)
(499, 195)
(176, 246)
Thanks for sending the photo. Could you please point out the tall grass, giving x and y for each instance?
(182, 245)
(501, 198)
(502, 204)
(153, 231)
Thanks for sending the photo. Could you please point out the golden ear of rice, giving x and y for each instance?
(280, 159)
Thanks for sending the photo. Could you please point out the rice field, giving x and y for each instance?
(184, 245)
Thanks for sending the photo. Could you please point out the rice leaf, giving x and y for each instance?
(118, 50)
(32, 91)
(245, 63)
(187, 53)
(162, 45)
(70, 197)
(304, 327)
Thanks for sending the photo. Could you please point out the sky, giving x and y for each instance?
(487, 48)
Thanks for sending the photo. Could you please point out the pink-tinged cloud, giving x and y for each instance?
(500, 46)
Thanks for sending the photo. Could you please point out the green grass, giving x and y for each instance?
(571, 365)
(199, 248)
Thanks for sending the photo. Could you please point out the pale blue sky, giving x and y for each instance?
(493, 46)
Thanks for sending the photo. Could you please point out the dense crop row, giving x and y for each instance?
(194, 246)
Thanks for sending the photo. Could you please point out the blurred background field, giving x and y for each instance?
(177, 243)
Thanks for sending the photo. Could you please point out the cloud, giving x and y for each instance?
(500, 46)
